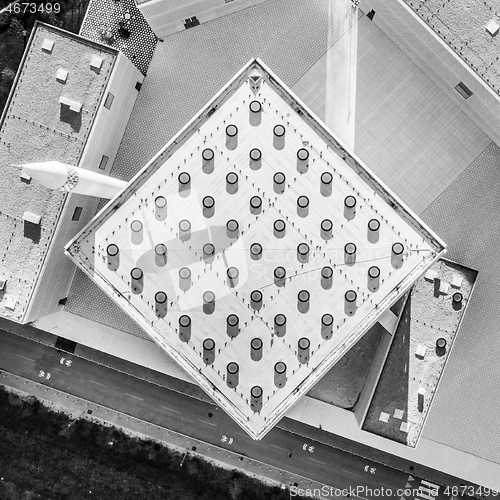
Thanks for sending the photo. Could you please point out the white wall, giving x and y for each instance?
(109, 125)
(167, 16)
(440, 63)
(104, 139)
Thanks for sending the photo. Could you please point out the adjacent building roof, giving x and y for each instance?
(48, 116)
(254, 249)
(471, 29)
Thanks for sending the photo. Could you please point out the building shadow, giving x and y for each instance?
(71, 118)
(32, 231)
(389, 407)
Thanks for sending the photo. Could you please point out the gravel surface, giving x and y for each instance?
(35, 129)
(462, 25)
(428, 315)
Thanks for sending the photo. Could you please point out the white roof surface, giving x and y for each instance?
(185, 297)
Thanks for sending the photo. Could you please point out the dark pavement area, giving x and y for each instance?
(183, 407)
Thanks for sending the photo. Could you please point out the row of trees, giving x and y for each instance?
(46, 454)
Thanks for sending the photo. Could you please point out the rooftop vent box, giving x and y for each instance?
(463, 90)
(96, 62)
(492, 27)
(73, 105)
(62, 75)
(33, 218)
(3, 284)
(48, 45)
(10, 302)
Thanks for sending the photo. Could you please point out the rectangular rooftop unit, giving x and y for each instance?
(492, 27)
(30, 217)
(96, 62)
(62, 75)
(73, 105)
(48, 45)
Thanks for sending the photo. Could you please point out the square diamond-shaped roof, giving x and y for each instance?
(254, 249)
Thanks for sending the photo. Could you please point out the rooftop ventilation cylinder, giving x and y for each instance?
(302, 206)
(208, 351)
(327, 326)
(231, 137)
(232, 183)
(232, 228)
(303, 253)
(113, 254)
(160, 255)
(350, 302)
(255, 205)
(279, 182)
(137, 280)
(232, 375)
(185, 328)
(280, 325)
(280, 276)
(280, 374)
(326, 184)
(256, 251)
(303, 350)
(161, 302)
(207, 161)
(279, 228)
(208, 252)
(208, 302)
(373, 230)
(256, 300)
(255, 115)
(233, 325)
(256, 349)
(232, 277)
(303, 298)
(256, 394)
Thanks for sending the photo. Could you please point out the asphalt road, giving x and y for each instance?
(170, 409)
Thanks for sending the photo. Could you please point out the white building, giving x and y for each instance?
(70, 102)
(255, 249)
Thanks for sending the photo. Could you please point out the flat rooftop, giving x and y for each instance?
(254, 249)
(421, 347)
(35, 126)
(463, 26)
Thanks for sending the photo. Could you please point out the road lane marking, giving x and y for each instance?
(24, 357)
(318, 461)
(170, 409)
(59, 370)
(279, 447)
(353, 473)
(208, 423)
(240, 434)
(132, 396)
(97, 383)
